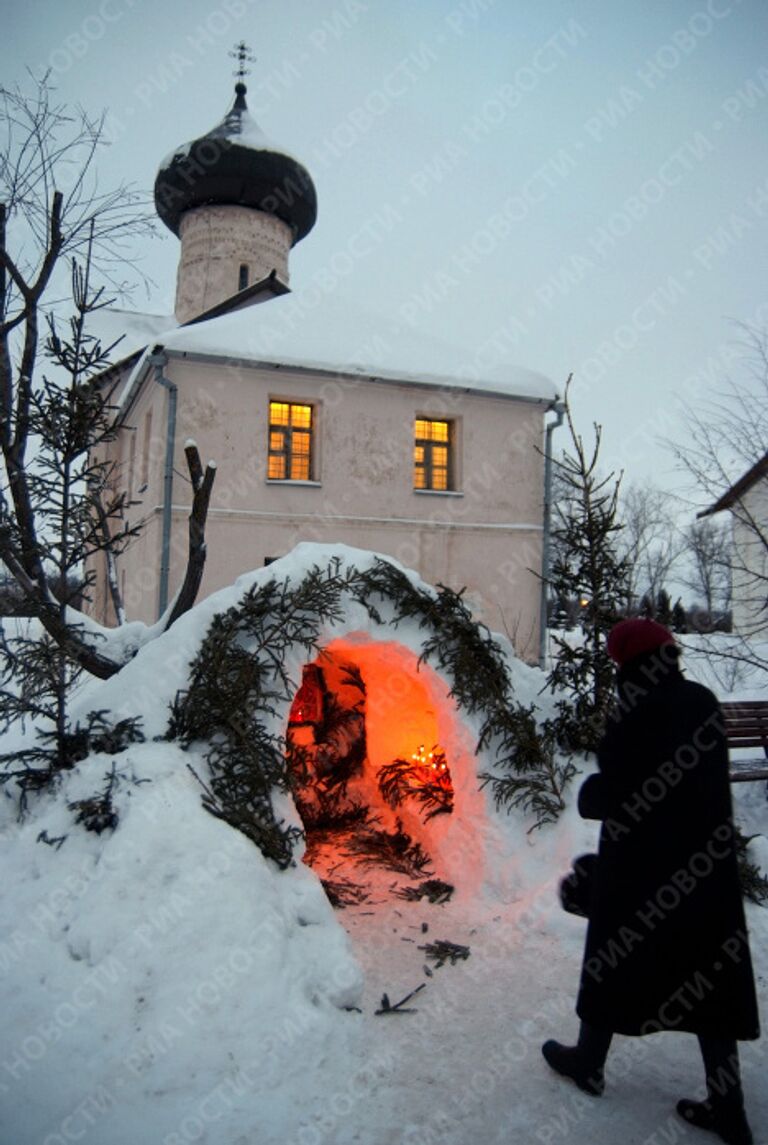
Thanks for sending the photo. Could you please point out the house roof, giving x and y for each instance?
(757, 472)
(309, 330)
(134, 330)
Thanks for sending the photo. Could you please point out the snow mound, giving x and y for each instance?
(165, 955)
(163, 982)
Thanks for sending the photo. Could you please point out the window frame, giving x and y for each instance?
(288, 430)
(429, 445)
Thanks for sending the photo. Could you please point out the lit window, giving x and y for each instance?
(290, 442)
(432, 462)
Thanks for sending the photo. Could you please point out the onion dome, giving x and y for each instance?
(236, 164)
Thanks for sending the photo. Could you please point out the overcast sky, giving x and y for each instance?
(570, 186)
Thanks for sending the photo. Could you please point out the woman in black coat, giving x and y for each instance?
(667, 945)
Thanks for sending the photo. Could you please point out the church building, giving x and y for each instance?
(746, 502)
(326, 423)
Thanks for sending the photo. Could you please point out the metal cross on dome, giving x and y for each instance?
(242, 54)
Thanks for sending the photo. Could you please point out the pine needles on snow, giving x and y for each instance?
(344, 892)
(433, 890)
(395, 850)
(444, 951)
(754, 885)
(97, 814)
(37, 768)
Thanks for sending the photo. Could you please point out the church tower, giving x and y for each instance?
(238, 202)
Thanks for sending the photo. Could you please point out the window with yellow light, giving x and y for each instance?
(432, 460)
(290, 441)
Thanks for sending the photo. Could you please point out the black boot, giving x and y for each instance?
(723, 1111)
(728, 1120)
(570, 1061)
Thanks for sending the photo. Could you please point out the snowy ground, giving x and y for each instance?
(204, 1006)
(163, 983)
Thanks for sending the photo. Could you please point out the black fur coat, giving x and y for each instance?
(666, 945)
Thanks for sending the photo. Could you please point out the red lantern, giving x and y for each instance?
(307, 707)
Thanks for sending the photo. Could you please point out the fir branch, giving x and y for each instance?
(387, 1007)
(754, 884)
(343, 892)
(55, 841)
(393, 849)
(444, 951)
(402, 779)
(58, 752)
(97, 813)
(434, 890)
(331, 814)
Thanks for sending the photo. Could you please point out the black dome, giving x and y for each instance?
(235, 164)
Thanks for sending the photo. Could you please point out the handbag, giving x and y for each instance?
(576, 887)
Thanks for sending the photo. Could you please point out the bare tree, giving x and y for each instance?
(63, 238)
(649, 541)
(727, 433)
(708, 549)
(726, 457)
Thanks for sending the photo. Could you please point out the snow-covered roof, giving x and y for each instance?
(308, 330)
(756, 472)
(135, 330)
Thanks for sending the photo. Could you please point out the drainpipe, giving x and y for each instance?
(159, 361)
(557, 408)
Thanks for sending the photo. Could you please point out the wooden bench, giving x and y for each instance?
(746, 725)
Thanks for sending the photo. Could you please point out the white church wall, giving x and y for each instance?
(750, 566)
(484, 534)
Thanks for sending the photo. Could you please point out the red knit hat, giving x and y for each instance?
(630, 638)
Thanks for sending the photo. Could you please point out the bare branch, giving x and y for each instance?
(64, 506)
(107, 546)
(202, 484)
(42, 228)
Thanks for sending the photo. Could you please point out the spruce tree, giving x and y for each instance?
(679, 617)
(586, 565)
(79, 511)
(664, 607)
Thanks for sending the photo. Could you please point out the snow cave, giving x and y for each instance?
(340, 680)
(385, 770)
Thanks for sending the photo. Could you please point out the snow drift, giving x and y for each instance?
(165, 982)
